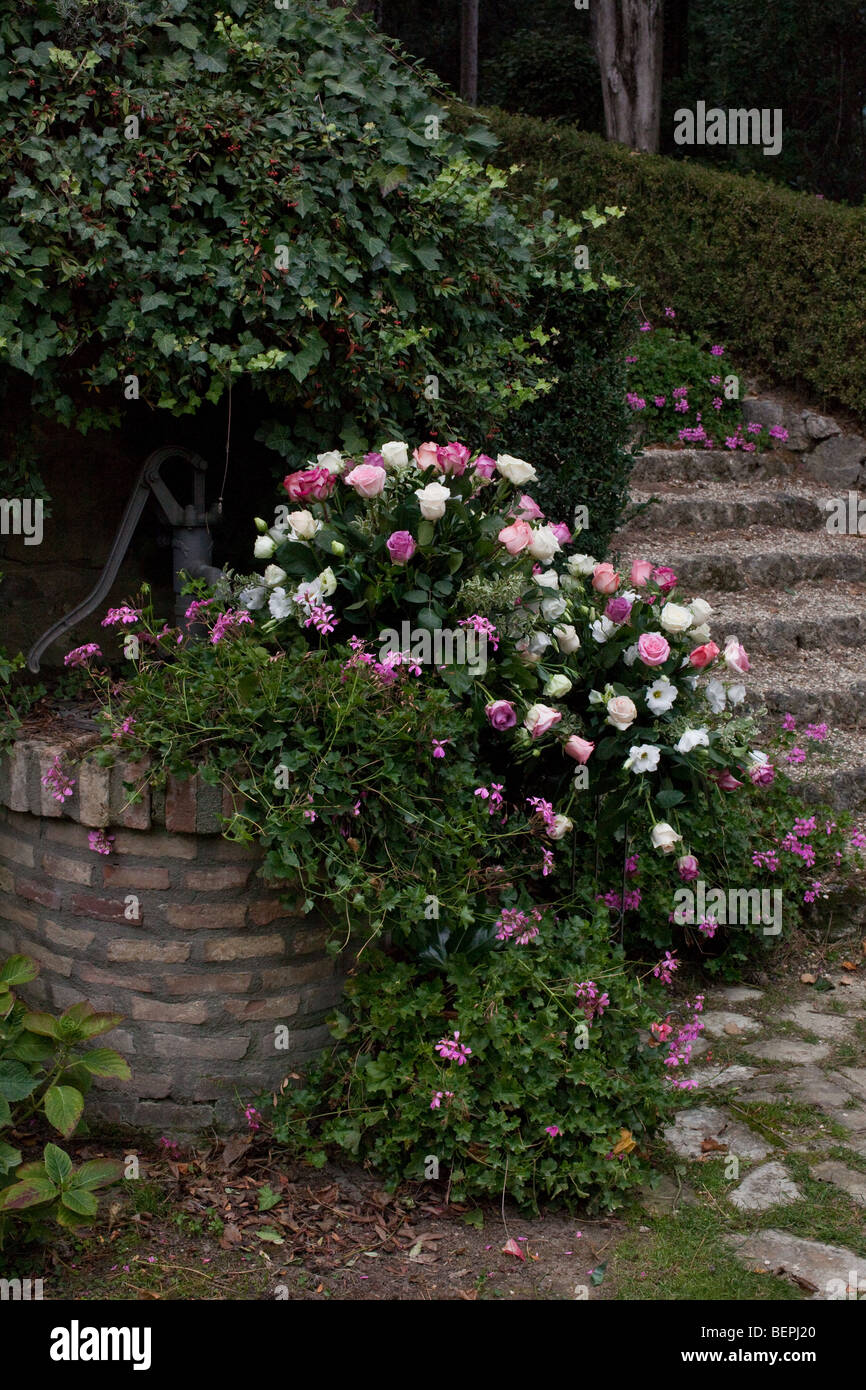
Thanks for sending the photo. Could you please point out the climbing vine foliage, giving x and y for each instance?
(194, 196)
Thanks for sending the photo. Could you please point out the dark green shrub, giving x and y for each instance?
(778, 277)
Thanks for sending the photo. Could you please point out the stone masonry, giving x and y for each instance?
(222, 986)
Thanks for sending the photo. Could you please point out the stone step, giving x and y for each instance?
(765, 556)
(815, 688)
(710, 465)
(720, 507)
(834, 771)
(810, 619)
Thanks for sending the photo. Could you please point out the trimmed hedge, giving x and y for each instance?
(778, 277)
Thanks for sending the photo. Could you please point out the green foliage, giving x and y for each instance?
(578, 434)
(286, 218)
(778, 277)
(535, 1063)
(45, 1070)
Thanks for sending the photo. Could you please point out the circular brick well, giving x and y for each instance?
(222, 989)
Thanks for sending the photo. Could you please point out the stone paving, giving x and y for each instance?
(778, 1065)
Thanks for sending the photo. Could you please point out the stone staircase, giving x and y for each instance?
(748, 532)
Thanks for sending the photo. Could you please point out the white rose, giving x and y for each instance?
(543, 545)
(517, 471)
(664, 837)
(395, 453)
(264, 547)
(631, 654)
(279, 603)
(736, 694)
(432, 499)
(621, 712)
(556, 687)
(715, 693)
(274, 576)
(674, 618)
(304, 525)
(253, 598)
(602, 628)
(548, 580)
(642, 757)
(333, 461)
(552, 609)
(700, 610)
(693, 738)
(559, 827)
(700, 634)
(757, 758)
(327, 581)
(567, 638)
(538, 643)
(581, 564)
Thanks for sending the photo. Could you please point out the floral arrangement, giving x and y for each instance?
(488, 754)
(429, 692)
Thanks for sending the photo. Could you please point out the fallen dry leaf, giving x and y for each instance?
(712, 1146)
(807, 979)
(512, 1248)
(625, 1143)
(849, 965)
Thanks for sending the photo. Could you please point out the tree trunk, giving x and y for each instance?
(627, 36)
(469, 51)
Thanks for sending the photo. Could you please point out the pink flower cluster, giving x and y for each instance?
(513, 924)
(79, 656)
(593, 1003)
(100, 842)
(453, 1050)
(58, 782)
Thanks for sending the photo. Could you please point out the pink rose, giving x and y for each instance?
(540, 718)
(579, 748)
(501, 714)
(527, 510)
(688, 867)
(401, 547)
(426, 455)
(605, 579)
(374, 460)
(309, 485)
(665, 578)
(653, 649)
(618, 610)
(703, 655)
(640, 573)
(763, 775)
(561, 531)
(452, 458)
(485, 465)
(516, 537)
(725, 780)
(736, 658)
(366, 479)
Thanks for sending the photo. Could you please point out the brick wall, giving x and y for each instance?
(174, 930)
